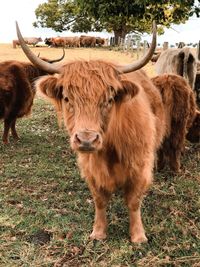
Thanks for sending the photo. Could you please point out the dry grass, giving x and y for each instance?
(8, 53)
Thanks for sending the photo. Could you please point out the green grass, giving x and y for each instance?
(41, 190)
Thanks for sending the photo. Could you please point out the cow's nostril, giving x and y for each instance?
(77, 139)
(96, 138)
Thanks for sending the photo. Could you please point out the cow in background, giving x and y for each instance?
(49, 41)
(178, 61)
(193, 134)
(72, 41)
(100, 41)
(63, 41)
(182, 118)
(17, 92)
(76, 42)
(29, 40)
(55, 41)
(87, 41)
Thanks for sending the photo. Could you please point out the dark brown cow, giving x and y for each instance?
(197, 87)
(55, 41)
(100, 41)
(87, 41)
(193, 134)
(17, 92)
(180, 112)
(112, 126)
(76, 41)
(178, 61)
(49, 41)
(63, 41)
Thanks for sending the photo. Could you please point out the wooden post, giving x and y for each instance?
(138, 49)
(165, 45)
(145, 47)
(128, 44)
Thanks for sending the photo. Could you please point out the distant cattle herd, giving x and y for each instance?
(121, 123)
(82, 41)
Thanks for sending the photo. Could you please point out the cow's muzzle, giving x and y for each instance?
(86, 141)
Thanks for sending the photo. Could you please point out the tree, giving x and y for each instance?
(118, 16)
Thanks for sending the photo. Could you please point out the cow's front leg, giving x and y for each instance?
(101, 199)
(134, 192)
(13, 130)
(7, 124)
(137, 232)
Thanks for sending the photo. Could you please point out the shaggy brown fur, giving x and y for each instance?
(16, 96)
(180, 110)
(16, 93)
(197, 87)
(193, 134)
(115, 128)
(88, 41)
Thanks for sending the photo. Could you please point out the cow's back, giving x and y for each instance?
(166, 62)
(178, 61)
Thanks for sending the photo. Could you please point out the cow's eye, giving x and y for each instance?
(110, 100)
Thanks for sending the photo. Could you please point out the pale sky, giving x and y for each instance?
(23, 12)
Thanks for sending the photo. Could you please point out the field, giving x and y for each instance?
(47, 210)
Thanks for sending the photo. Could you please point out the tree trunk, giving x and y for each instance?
(198, 51)
(119, 34)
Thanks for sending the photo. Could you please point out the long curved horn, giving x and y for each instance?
(59, 59)
(41, 64)
(143, 61)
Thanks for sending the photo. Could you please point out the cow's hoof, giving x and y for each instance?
(139, 239)
(98, 236)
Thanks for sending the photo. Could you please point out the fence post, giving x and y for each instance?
(165, 45)
(145, 47)
(138, 49)
(128, 44)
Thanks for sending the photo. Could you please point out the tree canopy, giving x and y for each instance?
(118, 16)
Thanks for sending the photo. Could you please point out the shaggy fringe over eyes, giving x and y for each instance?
(81, 75)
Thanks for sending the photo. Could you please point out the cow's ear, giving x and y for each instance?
(127, 91)
(49, 87)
